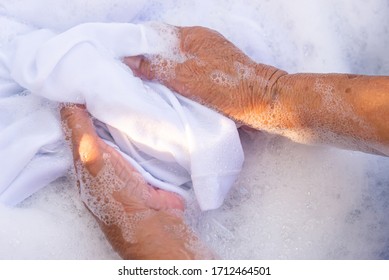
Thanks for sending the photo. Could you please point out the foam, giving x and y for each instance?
(241, 72)
(265, 209)
(291, 201)
(220, 78)
(98, 193)
(53, 225)
(164, 64)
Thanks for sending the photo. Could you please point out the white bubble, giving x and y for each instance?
(266, 215)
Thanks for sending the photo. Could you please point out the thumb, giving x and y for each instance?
(141, 66)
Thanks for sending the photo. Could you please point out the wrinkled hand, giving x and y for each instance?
(105, 176)
(139, 221)
(214, 72)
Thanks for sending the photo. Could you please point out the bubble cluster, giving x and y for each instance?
(223, 79)
(240, 73)
(169, 55)
(297, 202)
(244, 71)
(291, 201)
(98, 194)
(162, 67)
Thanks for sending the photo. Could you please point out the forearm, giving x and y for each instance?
(335, 109)
(351, 111)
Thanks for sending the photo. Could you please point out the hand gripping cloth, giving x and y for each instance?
(175, 143)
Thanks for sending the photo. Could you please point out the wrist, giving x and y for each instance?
(262, 91)
(267, 79)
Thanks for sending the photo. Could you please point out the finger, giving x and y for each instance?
(83, 137)
(159, 199)
(77, 121)
(161, 69)
(70, 112)
(140, 66)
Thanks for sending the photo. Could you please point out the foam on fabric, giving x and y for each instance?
(291, 201)
(165, 133)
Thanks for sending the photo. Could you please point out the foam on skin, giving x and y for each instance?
(291, 201)
(240, 72)
(223, 79)
(101, 194)
(164, 64)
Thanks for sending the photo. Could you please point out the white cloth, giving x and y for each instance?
(174, 142)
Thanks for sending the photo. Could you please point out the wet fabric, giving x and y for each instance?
(175, 143)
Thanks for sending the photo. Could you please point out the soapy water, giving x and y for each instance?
(291, 201)
(299, 202)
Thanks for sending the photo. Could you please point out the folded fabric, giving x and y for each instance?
(174, 142)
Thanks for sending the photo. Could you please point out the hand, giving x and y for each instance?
(136, 218)
(214, 72)
(105, 175)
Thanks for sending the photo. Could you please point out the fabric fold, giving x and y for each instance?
(174, 142)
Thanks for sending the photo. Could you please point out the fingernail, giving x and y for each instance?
(133, 62)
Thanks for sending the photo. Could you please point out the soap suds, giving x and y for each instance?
(291, 201)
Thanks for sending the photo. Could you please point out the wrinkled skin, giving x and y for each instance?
(242, 85)
(151, 217)
(89, 149)
(348, 111)
(354, 109)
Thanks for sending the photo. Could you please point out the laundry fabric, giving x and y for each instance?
(175, 143)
